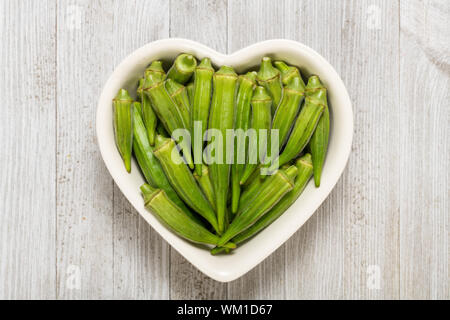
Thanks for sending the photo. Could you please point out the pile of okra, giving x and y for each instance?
(222, 204)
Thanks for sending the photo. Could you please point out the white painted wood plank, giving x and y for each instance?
(27, 169)
(370, 198)
(319, 244)
(424, 149)
(206, 22)
(84, 187)
(250, 22)
(141, 256)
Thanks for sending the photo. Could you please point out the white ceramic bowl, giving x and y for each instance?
(229, 267)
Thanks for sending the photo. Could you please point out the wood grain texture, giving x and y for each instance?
(141, 256)
(62, 219)
(371, 183)
(319, 244)
(84, 186)
(206, 22)
(424, 149)
(27, 169)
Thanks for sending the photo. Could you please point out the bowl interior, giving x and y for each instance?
(249, 254)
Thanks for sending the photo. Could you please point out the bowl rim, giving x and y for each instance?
(165, 233)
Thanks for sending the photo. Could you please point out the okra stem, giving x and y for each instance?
(270, 78)
(155, 70)
(287, 72)
(182, 69)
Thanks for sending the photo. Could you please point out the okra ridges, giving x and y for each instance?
(248, 133)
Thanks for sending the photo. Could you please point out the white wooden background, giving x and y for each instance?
(62, 219)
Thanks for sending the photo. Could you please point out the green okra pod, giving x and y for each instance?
(190, 92)
(155, 70)
(319, 140)
(157, 201)
(261, 122)
(270, 78)
(301, 133)
(242, 121)
(305, 170)
(256, 174)
(150, 165)
(287, 72)
(167, 112)
(148, 115)
(201, 101)
(294, 93)
(253, 187)
(179, 95)
(182, 69)
(222, 118)
(271, 192)
(182, 180)
(123, 125)
(206, 185)
(250, 191)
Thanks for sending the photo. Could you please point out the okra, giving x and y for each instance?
(301, 133)
(253, 184)
(182, 180)
(305, 171)
(287, 72)
(319, 140)
(222, 118)
(202, 92)
(206, 185)
(157, 201)
(271, 192)
(156, 70)
(167, 111)
(270, 78)
(150, 165)
(294, 93)
(250, 190)
(182, 69)
(148, 115)
(242, 121)
(179, 95)
(254, 188)
(261, 122)
(123, 125)
(190, 92)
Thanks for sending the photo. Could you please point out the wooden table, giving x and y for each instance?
(67, 232)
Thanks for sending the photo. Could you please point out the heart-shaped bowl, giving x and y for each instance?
(226, 268)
